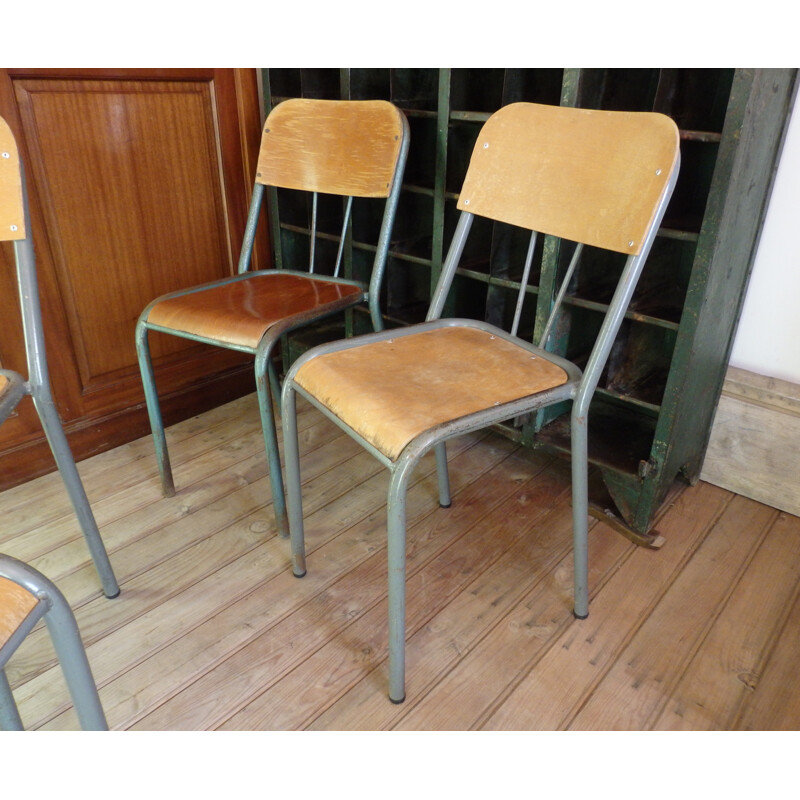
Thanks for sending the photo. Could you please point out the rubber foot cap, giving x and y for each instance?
(445, 506)
(112, 596)
(301, 575)
(578, 616)
(397, 702)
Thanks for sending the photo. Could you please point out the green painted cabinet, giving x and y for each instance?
(651, 417)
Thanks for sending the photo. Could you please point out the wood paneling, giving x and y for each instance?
(152, 218)
(139, 182)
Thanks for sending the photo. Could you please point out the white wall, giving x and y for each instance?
(768, 338)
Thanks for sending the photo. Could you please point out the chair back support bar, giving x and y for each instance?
(573, 263)
(523, 286)
(12, 208)
(588, 176)
(334, 147)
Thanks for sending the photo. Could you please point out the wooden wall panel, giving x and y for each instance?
(153, 218)
(139, 182)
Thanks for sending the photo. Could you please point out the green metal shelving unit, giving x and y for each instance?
(651, 417)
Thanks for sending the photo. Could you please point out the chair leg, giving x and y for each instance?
(271, 443)
(154, 411)
(396, 556)
(9, 714)
(443, 475)
(294, 498)
(580, 514)
(51, 423)
(275, 384)
(74, 663)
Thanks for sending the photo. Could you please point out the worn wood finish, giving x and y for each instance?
(213, 632)
(16, 602)
(241, 312)
(345, 148)
(139, 182)
(619, 186)
(391, 391)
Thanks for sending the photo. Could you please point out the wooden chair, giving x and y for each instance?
(590, 177)
(348, 148)
(15, 227)
(25, 597)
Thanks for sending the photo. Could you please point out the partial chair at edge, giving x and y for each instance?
(15, 227)
(26, 596)
(349, 148)
(596, 178)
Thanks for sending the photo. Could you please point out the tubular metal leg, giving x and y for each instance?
(275, 385)
(271, 443)
(74, 663)
(443, 475)
(580, 514)
(396, 555)
(294, 499)
(154, 411)
(9, 714)
(51, 423)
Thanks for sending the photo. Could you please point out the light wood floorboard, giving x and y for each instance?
(212, 632)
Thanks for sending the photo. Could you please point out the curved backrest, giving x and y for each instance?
(589, 176)
(12, 213)
(347, 147)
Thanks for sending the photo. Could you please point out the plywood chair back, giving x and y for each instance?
(588, 176)
(336, 147)
(12, 208)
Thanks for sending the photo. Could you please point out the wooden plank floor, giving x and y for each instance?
(211, 630)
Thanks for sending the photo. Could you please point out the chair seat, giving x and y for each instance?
(239, 313)
(16, 603)
(391, 391)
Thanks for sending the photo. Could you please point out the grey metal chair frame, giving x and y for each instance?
(12, 181)
(578, 388)
(267, 382)
(63, 629)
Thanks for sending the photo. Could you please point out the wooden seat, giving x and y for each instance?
(425, 380)
(241, 313)
(26, 596)
(15, 227)
(356, 149)
(594, 178)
